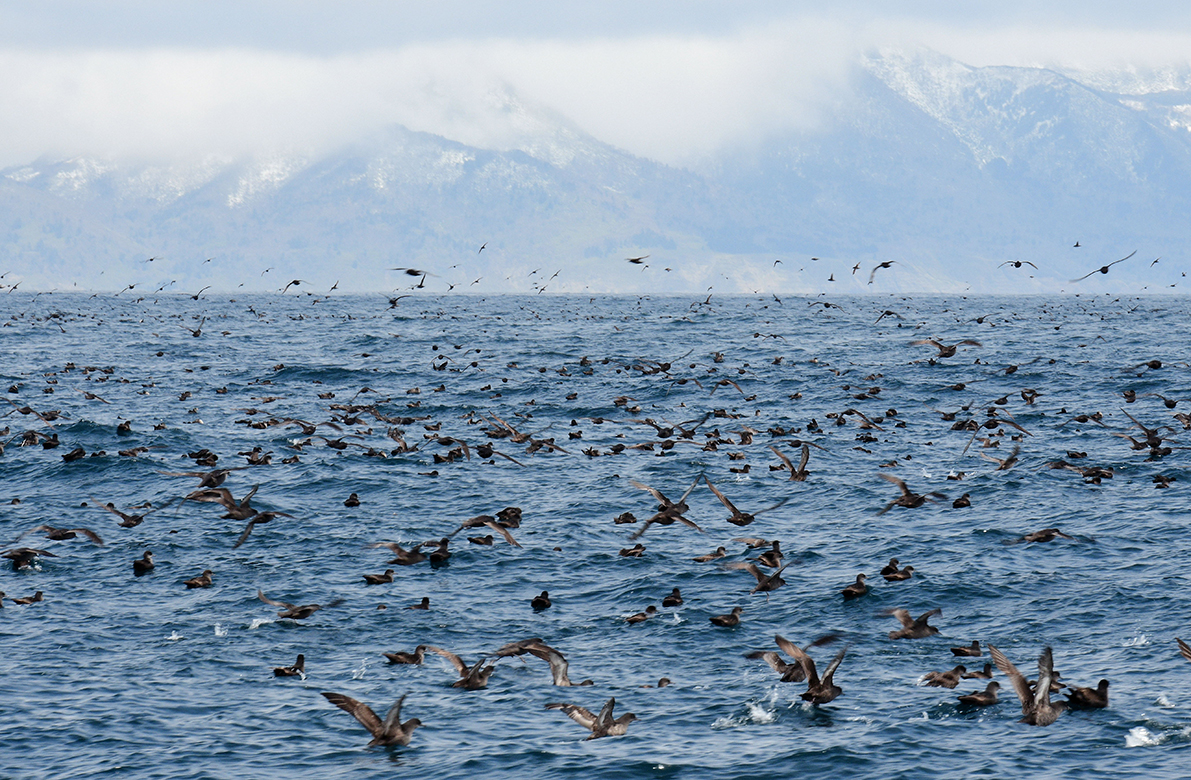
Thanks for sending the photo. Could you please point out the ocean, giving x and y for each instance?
(116, 675)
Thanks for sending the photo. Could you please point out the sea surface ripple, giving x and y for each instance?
(116, 676)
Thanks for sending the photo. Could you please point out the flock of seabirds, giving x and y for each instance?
(374, 426)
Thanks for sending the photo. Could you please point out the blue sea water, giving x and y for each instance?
(120, 676)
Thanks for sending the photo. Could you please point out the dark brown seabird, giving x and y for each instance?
(1088, 698)
(602, 725)
(294, 611)
(790, 672)
(297, 670)
(22, 557)
(1036, 706)
(471, 678)
(944, 679)
(143, 565)
(985, 698)
(983, 674)
(415, 658)
(856, 589)
(201, 581)
(390, 731)
(730, 620)
(913, 628)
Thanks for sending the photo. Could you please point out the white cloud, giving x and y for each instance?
(665, 96)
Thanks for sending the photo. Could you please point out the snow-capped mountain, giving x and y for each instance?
(948, 169)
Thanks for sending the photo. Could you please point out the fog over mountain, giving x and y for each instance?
(913, 156)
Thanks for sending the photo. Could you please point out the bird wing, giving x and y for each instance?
(903, 617)
(921, 621)
(1020, 686)
(1184, 648)
(761, 583)
(261, 595)
(581, 715)
(455, 660)
(506, 457)
(604, 719)
(87, 532)
(516, 648)
(900, 484)
(835, 662)
(500, 529)
(751, 568)
(110, 508)
(688, 523)
(1046, 673)
(723, 499)
(787, 461)
(247, 530)
(393, 546)
(778, 505)
(38, 529)
(221, 496)
(558, 664)
(358, 710)
(393, 718)
(655, 493)
(806, 456)
(771, 658)
(804, 660)
(786, 646)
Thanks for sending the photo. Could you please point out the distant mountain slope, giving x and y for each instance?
(946, 168)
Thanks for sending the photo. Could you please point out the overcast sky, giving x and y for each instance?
(668, 80)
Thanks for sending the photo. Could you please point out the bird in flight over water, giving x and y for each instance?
(885, 264)
(1104, 268)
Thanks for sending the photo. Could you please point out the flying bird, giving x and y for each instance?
(602, 725)
(294, 611)
(1036, 706)
(885, 264)
(1104, 268)
(390, 731)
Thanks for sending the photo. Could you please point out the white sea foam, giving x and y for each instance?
(758, 714)
(174, 637)
(358, 674)
(1141, 640)
(1142, 737)
(220, 630)
(258, 622)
